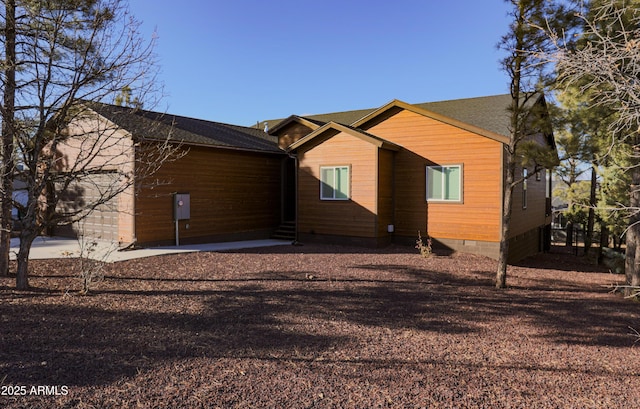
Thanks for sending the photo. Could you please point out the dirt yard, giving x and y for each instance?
(323, 327)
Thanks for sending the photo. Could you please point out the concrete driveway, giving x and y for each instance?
(58, 247)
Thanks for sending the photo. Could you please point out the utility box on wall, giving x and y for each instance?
(181, 206)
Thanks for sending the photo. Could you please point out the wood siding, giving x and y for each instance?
(524, 220)
(234, 194)
(97, 146)
(354, 217)
(386, 201)
(430, 142)
(291, 133)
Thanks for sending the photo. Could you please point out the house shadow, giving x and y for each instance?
(71, 201)
(85, 346)
(274, 314)
(81, 345)
(558, 258)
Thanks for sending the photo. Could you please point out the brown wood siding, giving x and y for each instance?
(525, 244)
(354, 217)
(291, 133)
(524, 220)
(232, 192)
(428, 142)
(385, 191)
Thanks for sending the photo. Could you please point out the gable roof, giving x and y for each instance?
(190, 131)
(313, 124)
(485, 113)
(345, 118)
(396, 105)
(358, 133)
(489, 113)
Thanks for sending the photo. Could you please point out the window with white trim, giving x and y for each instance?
(334, 183)
(444, 183)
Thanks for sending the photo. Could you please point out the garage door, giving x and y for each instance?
(101, 222)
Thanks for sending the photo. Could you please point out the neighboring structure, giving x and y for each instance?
(20, 196)
(378, 176)
(368, 177)
(230, 174)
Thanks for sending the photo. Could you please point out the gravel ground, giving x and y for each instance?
(320, 326)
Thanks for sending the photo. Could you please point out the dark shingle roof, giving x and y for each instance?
(190, 131)
(489, 113)
(344, 118)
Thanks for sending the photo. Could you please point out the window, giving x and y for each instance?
(334, 182)
(525, 174)
(444, 183)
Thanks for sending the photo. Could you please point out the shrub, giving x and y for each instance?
(425, 248)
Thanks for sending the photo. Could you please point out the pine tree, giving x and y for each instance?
(527, 80)
(606, 60)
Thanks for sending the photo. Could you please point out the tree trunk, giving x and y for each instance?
(7, 168)
(569, 238)
(604, 241)
(512, 66)
(588, 235)
(632, 254)
(501, 274)
(22, 273)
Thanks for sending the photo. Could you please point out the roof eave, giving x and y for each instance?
(205, 145)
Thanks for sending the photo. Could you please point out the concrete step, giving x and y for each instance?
(286, 231)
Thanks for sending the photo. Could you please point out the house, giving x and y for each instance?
(369, 177)
(228, 179)
(373, 177)
(20, 196)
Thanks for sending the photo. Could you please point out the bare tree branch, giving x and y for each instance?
(68, 55)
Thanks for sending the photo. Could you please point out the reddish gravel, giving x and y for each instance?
(320, 326)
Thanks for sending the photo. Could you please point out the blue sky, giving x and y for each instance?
(245, 61)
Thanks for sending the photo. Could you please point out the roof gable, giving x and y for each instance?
(343, 118)
(295, 119)
(487, 116)
(336, 128)
(395, 106)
